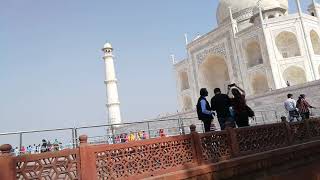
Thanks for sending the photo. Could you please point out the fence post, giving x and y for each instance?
(76, 136)
(113, 135)
(87, 160)
(7, 163)
(262, 117)
(182, 125)
(276, 114)
(233, 142)
(20, 141)
(196, 144)
(73, 139)
(149, 132)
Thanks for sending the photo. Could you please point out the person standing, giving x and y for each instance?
(288, 83)
(44, 146)
(290, 106)
(303, 107)
(145, 135)
(16, 151)
(239, 105)
(221, 104)
(161, 133)
(204, 110)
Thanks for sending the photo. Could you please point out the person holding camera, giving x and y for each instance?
(204, 110)
(239, 105)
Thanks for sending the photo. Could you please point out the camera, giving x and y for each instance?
(231, 85)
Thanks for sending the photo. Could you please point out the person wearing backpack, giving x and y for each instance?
(204, 110)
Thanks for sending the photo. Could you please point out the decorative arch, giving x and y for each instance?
(295, 75)
(213, 73)
(187, 104)
(315, 40)
(254, 54)
(184, 80)
(287, 44)
(259, 83)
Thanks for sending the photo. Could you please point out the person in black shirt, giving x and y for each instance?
(221, 104)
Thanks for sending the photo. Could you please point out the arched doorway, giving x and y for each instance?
(184, 80)
(259, 83)
(254, 54)
(187, 104)
(315, 40)
(213, 73)
(288, 45)
(295, 75)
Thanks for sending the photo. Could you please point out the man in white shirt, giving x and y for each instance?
(290, 106)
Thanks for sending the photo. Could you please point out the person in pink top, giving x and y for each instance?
(161, 133)
(23, 150)
(145, 135)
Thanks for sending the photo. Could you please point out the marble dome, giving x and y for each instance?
(246, 7)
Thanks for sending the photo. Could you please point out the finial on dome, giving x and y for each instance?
(107, 47)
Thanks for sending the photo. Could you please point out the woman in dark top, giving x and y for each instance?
(239, 105)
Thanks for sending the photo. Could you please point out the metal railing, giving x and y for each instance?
(103, 133)
(170, 126)
(21, 134)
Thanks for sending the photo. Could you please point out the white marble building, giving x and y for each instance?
(258, 48)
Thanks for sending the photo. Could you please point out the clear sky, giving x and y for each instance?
(51, 67)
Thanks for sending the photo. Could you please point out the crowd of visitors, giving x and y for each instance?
(133, 136)
(45, 146)
(231, 111)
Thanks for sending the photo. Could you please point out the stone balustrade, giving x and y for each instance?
(220, 154)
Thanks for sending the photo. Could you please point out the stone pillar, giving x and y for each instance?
(7, 163)
(196, 144)
(113, 103)
(87, 160)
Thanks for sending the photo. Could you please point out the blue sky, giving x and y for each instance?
(51, 67)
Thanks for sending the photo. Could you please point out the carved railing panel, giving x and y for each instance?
(215, 146)
(49, 166)
(261, 138)
(299, 132)
(314, 126)
(136, 159)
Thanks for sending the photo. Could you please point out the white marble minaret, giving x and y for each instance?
(113, 103)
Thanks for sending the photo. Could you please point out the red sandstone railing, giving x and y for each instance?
(155, 157)
(56, 165)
